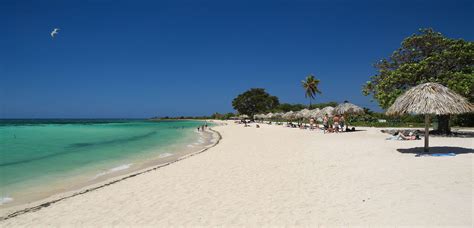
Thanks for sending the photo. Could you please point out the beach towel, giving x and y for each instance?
(437, 155)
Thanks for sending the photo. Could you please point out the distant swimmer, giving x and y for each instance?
(54, 32)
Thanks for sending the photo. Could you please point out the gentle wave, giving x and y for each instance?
(115, 169)
(164, 155)
(4, 200)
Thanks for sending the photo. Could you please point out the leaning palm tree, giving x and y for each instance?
(310, 86)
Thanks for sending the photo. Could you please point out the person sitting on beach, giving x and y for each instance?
(257, 126)
(335, 121)
(400, 136)
(330, 129)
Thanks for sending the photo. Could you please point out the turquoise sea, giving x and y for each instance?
(41, 155)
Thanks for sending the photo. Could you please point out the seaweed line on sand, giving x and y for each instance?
(49, 203)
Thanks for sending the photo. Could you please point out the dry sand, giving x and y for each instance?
(281, 176)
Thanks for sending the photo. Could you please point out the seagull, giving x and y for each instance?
(54, 32)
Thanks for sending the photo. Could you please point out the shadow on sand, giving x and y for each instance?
(437, 150)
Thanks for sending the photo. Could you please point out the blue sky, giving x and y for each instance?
(146, 58)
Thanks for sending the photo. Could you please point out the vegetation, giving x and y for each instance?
(254, 101)
(425, 57)
(310, 86)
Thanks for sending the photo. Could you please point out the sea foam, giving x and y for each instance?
(115, 169)
(4, 200)
(164, 155)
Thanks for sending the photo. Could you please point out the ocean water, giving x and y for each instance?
(53, 155)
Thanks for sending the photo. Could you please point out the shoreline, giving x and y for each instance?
(279, 176)
(10, 211)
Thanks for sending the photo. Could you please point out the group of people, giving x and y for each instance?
(202, 127)
(336, 124)
(400, 135)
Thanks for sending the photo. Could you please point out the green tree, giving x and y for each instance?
(254, 101)
(425, 57)
(310, 86)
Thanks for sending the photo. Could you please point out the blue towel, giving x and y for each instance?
(437, 155)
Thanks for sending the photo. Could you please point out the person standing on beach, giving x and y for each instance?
(325, 122)
(311, 123)
(342, 122)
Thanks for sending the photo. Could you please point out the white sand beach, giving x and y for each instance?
(281, 176)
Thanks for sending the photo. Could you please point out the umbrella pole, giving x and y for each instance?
(427, 132)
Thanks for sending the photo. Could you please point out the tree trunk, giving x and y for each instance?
(443, 125)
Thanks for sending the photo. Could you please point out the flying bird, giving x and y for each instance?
(54, 32)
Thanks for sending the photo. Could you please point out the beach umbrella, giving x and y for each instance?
(243, 116)
(302, 113)
(430, 98)
(315, 113)
(269, 115)
(327, 110)
(289, 115)
(258, 116)
(348, 108)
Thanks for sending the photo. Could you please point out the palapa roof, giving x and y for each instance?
(315, 113)
(327, 110)
(244, 116)
(304, 113)
(289, 115)
(348, 108)
(259, 116)
(430, 98)
(278, 114)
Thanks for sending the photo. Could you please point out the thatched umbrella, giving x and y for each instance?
(430, 98)
(244, 116)
(315, 113)
(278, 116)
(348, 108)
(289, 115)
(269, 115)
(304, 113)
(259, 116)
(327, 110)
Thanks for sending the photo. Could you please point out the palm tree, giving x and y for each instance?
(310, 86)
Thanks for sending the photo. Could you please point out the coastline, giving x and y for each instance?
(278, 176)
(211, 139)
